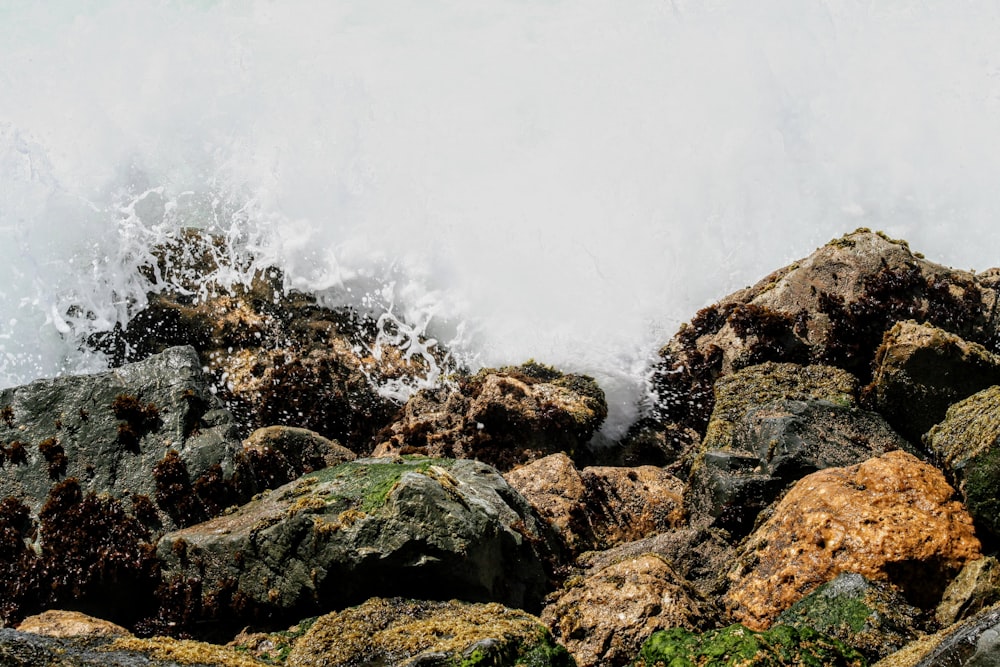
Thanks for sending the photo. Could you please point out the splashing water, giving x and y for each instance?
(565, 181)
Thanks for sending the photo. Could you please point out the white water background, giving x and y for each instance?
(563, 180)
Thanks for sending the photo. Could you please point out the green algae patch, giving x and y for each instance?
(737, 646)
(367, 483)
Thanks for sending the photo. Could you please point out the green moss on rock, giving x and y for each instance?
(366, 484)
(737, 646)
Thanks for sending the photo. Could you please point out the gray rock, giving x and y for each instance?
(111, 430)
(921, 370)
(974, 642)
(411, 527)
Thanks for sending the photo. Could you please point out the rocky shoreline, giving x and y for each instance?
(818, 485)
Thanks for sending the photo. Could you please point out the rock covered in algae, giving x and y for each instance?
(737, 646)
(411, 633)
(604, 616)
(280, 454)
(869, 616)
(503, 417)
(832, 307)
(892, 518)
(415, 527)
(967, 443)
(921, 370)
(598, 507)
(773, 424)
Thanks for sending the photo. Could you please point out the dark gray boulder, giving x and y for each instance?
(149, 430)
(422, 528)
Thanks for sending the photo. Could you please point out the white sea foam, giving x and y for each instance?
(564, 180)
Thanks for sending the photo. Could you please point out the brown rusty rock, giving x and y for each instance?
(604, 617)
(58, 623)
(599, 507)
(891, 518)
(504, 417)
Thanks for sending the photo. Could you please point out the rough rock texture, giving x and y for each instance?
(25, 649)
(891, 519)
(413, 527)
(869, 616)
(832, 307)
(409, 633)
(113, 431)
(599, 507)
(967, 443)
(921, 370)
(604, 617)
(976, 587)
(974, 642)
(277, 357)
(700, 556)
(59, 623)
(504, 417)
(285, 453)
(736, 646)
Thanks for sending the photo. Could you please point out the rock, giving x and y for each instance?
(280, 454)
(921, 370)
(411, 633)
(113, 431)
(976, 587)
(832, 307)
(772, 425)
(737, 646)
(603, 617)
(276, 356)
(419, 528)
(504, 417)
(869, 616)
(599, 507)
(967, 443)
(699, 556)
(58, 623)
(974, 642)
(891, 519)
(25, 649)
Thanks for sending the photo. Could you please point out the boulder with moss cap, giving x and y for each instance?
(415, 527)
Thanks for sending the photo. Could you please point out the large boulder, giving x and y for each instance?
(411, 633)
(599, 507)
(891, 518)
(967, 443)
(504, 417)
(832, 307)
(604, 617)
(421, 528)
(130, 433)
(921, 370)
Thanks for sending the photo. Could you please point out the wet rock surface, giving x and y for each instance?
(891, 519)
(869, 616)
(976, 587)
(974, 642)
(414, 527)
(504, 417)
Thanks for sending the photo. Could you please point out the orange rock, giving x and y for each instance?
(600, 507)
(890, 518)
(57, 623)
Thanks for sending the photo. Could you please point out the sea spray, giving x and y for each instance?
(565, 181)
